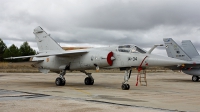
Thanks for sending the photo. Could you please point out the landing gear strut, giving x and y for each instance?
(195, 78)
(60, 81)
(88, 80)
(127, 76)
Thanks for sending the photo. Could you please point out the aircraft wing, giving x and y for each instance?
(26, 63)
(71, 53)
(63, 54)
(185, 66)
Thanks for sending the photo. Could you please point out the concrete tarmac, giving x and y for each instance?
(37, 92)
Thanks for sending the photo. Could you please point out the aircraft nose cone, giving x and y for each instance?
(155, 60)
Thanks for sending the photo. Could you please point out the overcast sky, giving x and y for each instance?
(101, 22)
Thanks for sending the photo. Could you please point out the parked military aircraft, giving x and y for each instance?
(189, 54)
(125, 57)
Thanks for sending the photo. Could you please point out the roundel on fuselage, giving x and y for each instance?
(109, 60)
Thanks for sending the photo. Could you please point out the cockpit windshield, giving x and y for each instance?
(130, 49)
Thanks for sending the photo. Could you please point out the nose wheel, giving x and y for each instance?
(125, 86)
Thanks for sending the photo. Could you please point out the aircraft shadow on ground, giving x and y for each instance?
(177, 80)
(74, 84)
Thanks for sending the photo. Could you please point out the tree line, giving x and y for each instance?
(14, 51)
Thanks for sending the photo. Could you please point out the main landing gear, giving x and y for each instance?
(60, 81)
(195, 78)
(127, 76)
(88, 80)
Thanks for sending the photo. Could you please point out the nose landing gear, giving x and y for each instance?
(127, 76)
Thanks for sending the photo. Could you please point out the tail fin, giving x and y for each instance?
(189, 48)
(174, 50)
(44, 41)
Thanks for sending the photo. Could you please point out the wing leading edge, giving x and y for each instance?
(64, 54)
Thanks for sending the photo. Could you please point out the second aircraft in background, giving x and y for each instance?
(188, 53)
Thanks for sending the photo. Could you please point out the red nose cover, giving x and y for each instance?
(110, 62)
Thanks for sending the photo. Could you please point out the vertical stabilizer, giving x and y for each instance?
(44, 41)
(174, 50)
(189, 48)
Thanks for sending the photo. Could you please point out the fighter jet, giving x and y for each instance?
(189, 54)
(53, 58)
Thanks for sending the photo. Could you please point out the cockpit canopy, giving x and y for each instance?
(131, 49)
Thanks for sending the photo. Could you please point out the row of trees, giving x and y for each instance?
(14, 51)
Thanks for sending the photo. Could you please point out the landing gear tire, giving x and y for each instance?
(63, 83)
(195, 78)
(89, 81)
(128, 86)
(125, 86)
(59, 82)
